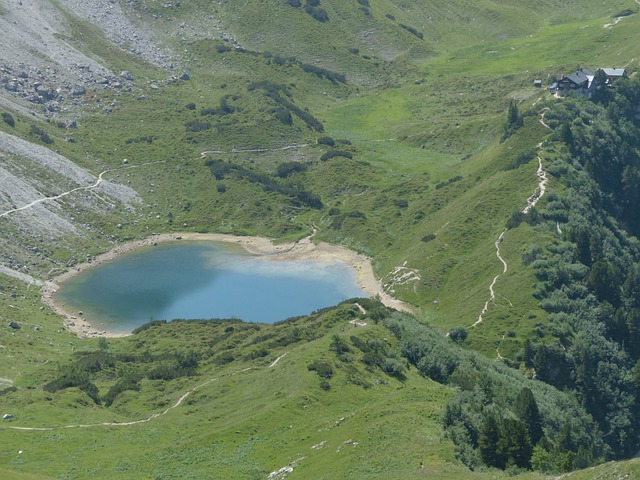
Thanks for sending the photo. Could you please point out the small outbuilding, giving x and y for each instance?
(537, 83)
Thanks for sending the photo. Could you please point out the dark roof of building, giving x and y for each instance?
(580, 76)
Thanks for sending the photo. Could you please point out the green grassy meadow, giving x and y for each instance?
(430, 187)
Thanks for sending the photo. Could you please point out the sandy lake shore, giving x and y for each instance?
(302, 250)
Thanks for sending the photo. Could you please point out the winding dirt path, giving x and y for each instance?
(492, 294)
(275, 362)
(618, 19)
(531, 202)
(144, 420)
(254, 150)
(542, 186)
(96, 184)
(28, 278)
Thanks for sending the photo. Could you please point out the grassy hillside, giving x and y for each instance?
(254, 406)
(396, 112)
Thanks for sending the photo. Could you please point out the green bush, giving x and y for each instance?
(287, 169)
(326, 141)
(142, 139)
(130, 382)
(412, 30)
(458, 334)
(320, 14)
(94, 361)
(41, 134)
(336, 153)
(429, 237)
(219, 168)
(224, 358)
(175, 366)
(322, 368)
(283, 115)
(339, 345)
(196, 126)
(223, 109)
(74, 379)
(455, 179)
(8, 119)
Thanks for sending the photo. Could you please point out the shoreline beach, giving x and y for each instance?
(302, 250)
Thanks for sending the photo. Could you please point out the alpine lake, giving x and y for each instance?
(202, 280)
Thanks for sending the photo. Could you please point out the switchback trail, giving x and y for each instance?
(531, 202)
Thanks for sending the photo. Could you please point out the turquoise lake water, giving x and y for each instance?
(201, 280)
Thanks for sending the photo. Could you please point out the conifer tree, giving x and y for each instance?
(527, 410)
(488, 441)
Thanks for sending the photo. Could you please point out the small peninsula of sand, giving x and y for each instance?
(302, 250)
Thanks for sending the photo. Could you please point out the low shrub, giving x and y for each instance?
(336, 153)
(8, 119)
(224, 358)
(283, 115)
(326, 141)
(412, 30)
(458, 334)
(322, 368)
(145, 138)
(74, 379)
(41, 134)
(455, 179)
(222, 48)
(197, 126)
(130, 382)
(287, 169)
(318, 13)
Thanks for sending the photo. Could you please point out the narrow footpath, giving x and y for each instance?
(531, 203)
